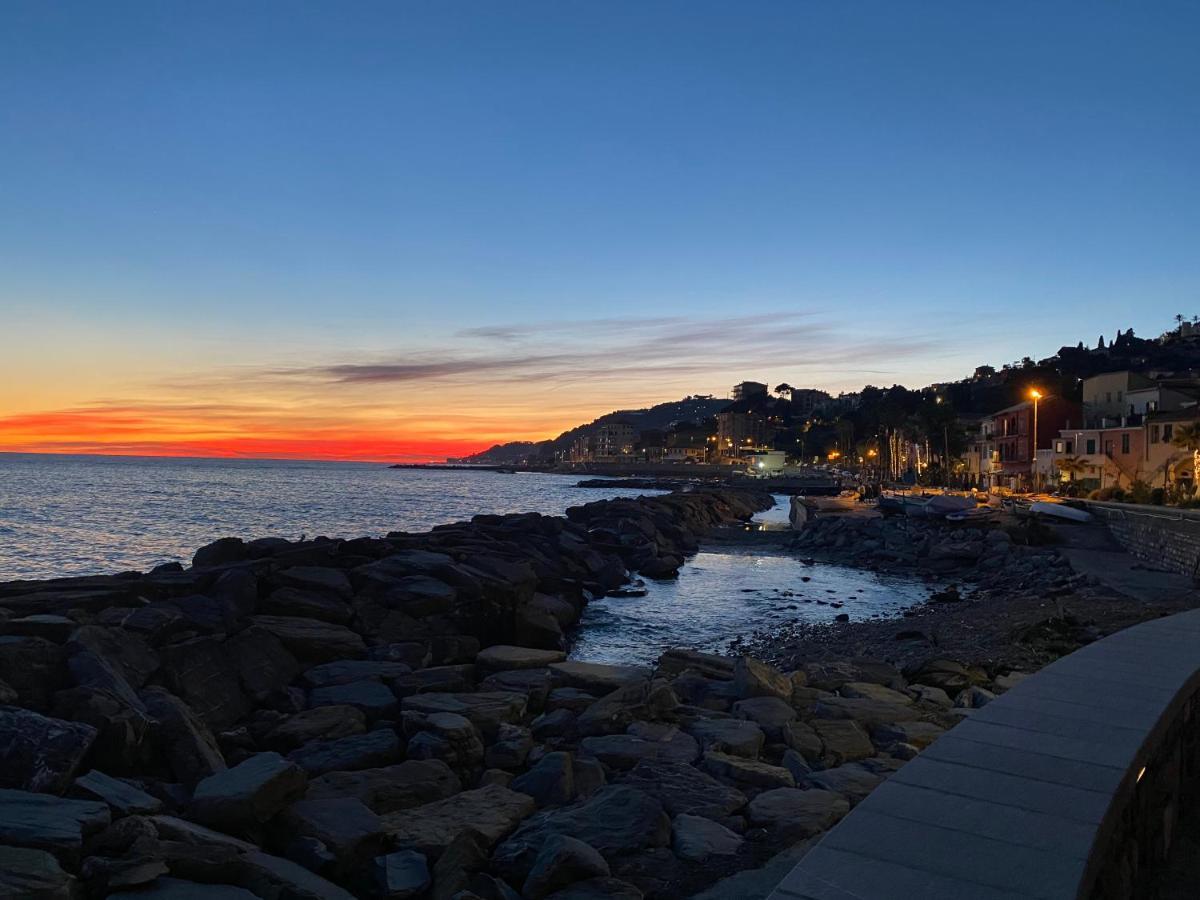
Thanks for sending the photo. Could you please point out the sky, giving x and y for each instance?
(402, 231)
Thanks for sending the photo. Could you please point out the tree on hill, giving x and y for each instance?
(784, 388)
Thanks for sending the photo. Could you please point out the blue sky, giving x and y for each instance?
(225, 185)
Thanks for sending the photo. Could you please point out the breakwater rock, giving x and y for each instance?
(385, 717)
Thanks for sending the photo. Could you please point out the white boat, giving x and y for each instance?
(939, 506)
(1060, 511)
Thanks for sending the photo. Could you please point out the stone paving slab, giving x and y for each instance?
(1072, 803)
(1011, 802)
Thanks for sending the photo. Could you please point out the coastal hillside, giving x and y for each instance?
(660, 416)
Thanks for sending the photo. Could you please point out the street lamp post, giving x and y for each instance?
(1036, 395)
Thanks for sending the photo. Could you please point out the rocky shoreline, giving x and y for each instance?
(396, 717)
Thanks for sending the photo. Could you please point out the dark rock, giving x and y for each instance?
(685, 790)
(44, 822)
(571, 699)
(595, 677)
(490, 811)
(616, 711)
(186, 741)
(801, 813)
(734, 736)
(124, 798)
(676, 661)
(550, 781)
(624, 751)
(696, 838)
(264, 666)
(512, 746)
(317, 579)
(752, 678)
(747, 771)
(375, 700)
(200, 673)
(438, 679)
(249, 793)
(312, 640)
(290, 601)
(344, 825)
(487, 710)
(392, 788)
(553, 724)
(323, 723)
(345, 671)
(504, 657)
(359, 751)
(220, 552)
(39, 753)
(533, 683)
(450, 738)
(562, 861)
(34, 874)
(400, 875)
(271, 876)
(33, 667)
(617, 819)
(413, 654)
(55, 629)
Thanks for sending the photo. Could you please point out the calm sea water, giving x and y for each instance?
(78, 515)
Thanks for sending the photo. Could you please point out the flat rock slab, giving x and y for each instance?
(45, 822)
(624, 751)
(842, 741)
(865, 711)
(852, 781)
(123, 798)
(312, 640)
(358, 751)
(747, 771)
(249, 793)
(735, 736)
(413, 782)
(34, 873)
(595, 677)
(344, 671)
(40, 753)
(696, 838)
(684, 789)
(492, 811)
(373, 699)
(803, 813)
(323, 723)
(344, 825)
(486, 709)
(503, 657)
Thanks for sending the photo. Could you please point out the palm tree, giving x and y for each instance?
(1187, 437)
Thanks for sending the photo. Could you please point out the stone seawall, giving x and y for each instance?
(1166, 538)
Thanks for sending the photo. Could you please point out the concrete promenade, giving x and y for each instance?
(1036, 793)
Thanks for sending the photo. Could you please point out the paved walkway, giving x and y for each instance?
(1091, 550)
(1010, 803)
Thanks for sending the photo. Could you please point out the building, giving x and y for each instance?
(740, 432)
(805, 401)
(1105, 396)
(747, 389)
(1165, 395)
(684, 454)
(1012, 441)
(1100, 457)
(767, 462)
(614, 440)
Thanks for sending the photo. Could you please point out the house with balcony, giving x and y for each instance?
(1015, 438)
(1094, 458)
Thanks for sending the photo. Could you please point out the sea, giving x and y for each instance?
(85, 515)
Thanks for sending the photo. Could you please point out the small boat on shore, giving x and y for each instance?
(1059, 511)
(838, 503)
(977, 515)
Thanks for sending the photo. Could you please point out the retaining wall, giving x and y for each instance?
(1168, 538)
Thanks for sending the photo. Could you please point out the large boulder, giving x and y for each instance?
(345, 671)
(696, 838)
(504, 657)
(562, 861)
(617, 819)
(842, 741)
(123, 798)
(249, 793)
(853, 781)
(486, 709)
(291, 601)
(414, 782)
(346, 827)
(322, 723)
(596, 677)
(35, 874)
(317, 579)
(624, 751)
(263, 665)
(312, 640)
(734, 736)
(358, 751)
(747, 771)
(801, 813)
(200, 672)
(684, 789)
(374, 700)
(550, 782)
(187, 743)
(491, 811)
(44, 822)
(40, 753)
(752, 678)
(33, 667)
